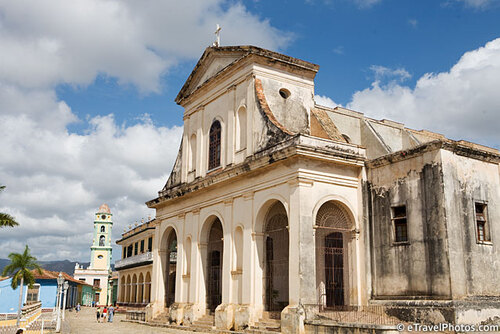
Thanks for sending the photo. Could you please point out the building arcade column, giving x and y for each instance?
(224, 313)
(302, 269)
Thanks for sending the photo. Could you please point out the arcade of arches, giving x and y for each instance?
(212, 264)
(135, 288)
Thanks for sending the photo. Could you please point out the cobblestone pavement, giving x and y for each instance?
(85, 323)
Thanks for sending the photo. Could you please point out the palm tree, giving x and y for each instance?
(5, 218)
(20, 269)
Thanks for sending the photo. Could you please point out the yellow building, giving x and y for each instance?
(98, 273)
(135, 268)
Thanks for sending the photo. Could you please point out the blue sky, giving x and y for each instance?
(344, 37)
(87, 88)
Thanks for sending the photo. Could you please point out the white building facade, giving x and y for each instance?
(268, 203)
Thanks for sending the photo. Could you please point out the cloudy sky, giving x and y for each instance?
(87, 87)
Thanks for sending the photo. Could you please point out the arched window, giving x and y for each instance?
(192, 153)
(101, 240)
(214, 146)
(241, 129)
(103, 229)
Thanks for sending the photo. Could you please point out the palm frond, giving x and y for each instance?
(7, 220)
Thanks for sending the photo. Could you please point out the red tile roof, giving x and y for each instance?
(47, 274)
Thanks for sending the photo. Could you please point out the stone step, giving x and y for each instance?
(203, 323)
(253, 330)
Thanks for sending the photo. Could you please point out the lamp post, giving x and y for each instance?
(60, 281)
(65, 286)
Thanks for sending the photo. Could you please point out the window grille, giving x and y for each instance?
(214, 146)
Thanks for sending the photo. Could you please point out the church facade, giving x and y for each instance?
(98, 273)
(282, 208)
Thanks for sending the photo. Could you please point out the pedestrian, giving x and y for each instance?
(77, 309)
(98, 314)
(104, 314)
(111, 313)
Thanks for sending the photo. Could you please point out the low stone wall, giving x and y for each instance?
(324, 327)
(471, 311)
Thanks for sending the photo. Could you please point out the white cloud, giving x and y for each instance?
(55, 41)
(325, 101)
(382, 73)
(413, 22)
(478, 4)
(462, 103)
(339, 50)
(55, 179)
(366, 3)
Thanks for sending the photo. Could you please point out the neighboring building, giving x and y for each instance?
(135, 267)
(280, 207)
(44, 290)
(9, 298)
(114, 288)
(98, 273)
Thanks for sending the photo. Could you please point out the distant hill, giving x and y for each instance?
(65, 266)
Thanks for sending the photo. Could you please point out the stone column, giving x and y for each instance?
(224, 313)
(243, 314)
(302, 274)
(157, 283)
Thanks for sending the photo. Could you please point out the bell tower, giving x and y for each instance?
(100, 257)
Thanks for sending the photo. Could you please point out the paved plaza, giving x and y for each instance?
(85, 322)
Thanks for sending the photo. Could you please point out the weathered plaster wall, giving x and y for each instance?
(418, 267)
(474, 265)
(348, 123)
(294, 111)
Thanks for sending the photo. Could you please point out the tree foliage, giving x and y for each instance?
(21, 266)
(5, 218)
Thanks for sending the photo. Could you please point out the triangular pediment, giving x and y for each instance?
(216, 60)
(210, 64)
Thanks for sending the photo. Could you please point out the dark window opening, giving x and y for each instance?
(124, 252)
(136, 248)
(102, 239)
(482, 222)
(97, 283)
(150, 244)
(214, 146)
(103, 229)
(142, 246)
(129, 251)
(400, 223)
(32, 294)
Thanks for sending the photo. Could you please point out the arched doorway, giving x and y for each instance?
(170, 272)
(276, 249)
(214, 265)
(333, 230)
